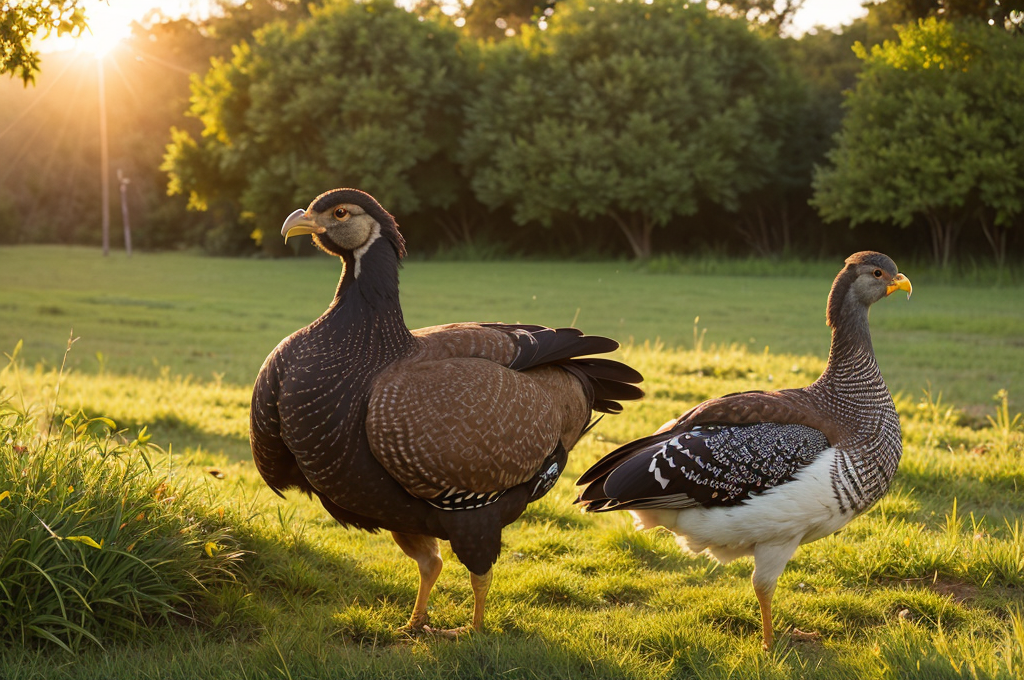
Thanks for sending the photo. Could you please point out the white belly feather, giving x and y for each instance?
(802, 510)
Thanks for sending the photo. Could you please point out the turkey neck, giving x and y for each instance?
(332, 364)
(334, 361)
(367, 307)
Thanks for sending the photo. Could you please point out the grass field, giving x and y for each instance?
(928, 584)
(208, 317)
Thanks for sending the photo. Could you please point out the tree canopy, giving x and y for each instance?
(20, 22)
(932, 130)
(632, 127)
(366, 95)
(1004, 13)
(636, 111)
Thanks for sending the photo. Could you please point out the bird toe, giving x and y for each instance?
(797, 635)
(449, 633)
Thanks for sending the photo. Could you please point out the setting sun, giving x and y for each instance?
(104, 32)
(110, 22)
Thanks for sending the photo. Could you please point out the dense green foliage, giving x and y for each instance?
(1008, 14)
(933, 130)
(361, 95)
(49, 184)
(724, 164)
(20, 22)
(634, 111)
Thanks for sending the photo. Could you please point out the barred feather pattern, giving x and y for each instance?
(749, 458)
(853, 392)
(707, 466)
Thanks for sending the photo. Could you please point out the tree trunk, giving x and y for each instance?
(459, 229)
(944, 233)
(755, 232)
(637, 231)
(996, 237)
(767, 236)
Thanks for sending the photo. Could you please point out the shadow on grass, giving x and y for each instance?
(170, 432)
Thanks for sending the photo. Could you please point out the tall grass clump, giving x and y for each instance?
(96, 544)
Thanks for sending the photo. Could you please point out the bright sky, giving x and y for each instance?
(110, 20)
(828, 13)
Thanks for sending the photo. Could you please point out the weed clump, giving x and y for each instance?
(96, 544)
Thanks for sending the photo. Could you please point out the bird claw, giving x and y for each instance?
(449, 633)
(410, 630)
(797, 635)
(416, 626)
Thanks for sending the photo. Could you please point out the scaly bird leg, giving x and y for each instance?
(425, 550)
(481, 584)
(764, 599)
(769, 561)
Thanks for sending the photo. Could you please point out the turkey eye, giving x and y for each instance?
(340, 213)
(878, 273)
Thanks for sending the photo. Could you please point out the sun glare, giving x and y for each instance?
(108, 25)
(106, 29)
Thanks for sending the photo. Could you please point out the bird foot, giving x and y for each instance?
(797, 635)
(417, 626)
(449, 633)
(410, 630)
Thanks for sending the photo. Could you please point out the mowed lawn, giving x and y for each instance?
(928, 584)
(217, 318)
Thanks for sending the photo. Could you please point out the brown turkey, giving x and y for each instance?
(446, 432)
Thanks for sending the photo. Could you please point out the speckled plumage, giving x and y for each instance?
(709, 466)
(445, 432)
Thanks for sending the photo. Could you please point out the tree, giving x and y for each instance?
(635, 111)
(933, 130)
(359, 94)
(1006, 13)
(818, 68)
(21, 22)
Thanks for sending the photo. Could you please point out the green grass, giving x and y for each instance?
(933, 576)
(209, 317)
(928, 584)
(98, 539)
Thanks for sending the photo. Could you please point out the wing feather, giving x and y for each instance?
(709, 467)
(470, 424)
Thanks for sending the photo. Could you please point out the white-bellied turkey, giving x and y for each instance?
(438, 433)
(760, 473)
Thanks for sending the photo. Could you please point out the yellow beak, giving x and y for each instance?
(899, 282)
(298, 223)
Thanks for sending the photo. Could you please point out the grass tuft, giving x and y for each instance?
(96, 541)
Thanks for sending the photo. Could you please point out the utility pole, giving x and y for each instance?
(124, 182)
(104, 160)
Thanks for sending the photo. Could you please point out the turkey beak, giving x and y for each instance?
(899, 282)
(298, 223)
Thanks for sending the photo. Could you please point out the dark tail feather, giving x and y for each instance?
(539, 345)
(609, 369)
(605, 381)
(604, 467)
(604, 393)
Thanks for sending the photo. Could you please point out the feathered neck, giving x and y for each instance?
(851, 349)
(367, 294)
